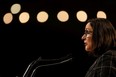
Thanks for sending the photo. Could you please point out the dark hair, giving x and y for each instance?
(104, 35)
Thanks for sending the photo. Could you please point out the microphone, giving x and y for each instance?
(50, 64)
(47, 62)
(26, 73)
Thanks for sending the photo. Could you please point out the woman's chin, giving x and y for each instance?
(87, 50)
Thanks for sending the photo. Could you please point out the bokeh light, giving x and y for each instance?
(42, 16)
(15, 8)
(63, 16)
(24, 17)
(81, 16)
(7, 18)
(101, 14)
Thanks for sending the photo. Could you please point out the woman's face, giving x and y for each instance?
(87, 37)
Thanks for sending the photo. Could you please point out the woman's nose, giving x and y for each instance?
(83, 37)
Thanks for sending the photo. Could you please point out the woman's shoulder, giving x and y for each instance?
(107, 58)
(111, 52)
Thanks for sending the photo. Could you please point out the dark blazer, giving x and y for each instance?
(104, 66)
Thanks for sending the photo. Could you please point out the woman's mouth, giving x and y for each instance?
(85, 44)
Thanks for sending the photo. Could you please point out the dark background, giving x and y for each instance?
(23, 43)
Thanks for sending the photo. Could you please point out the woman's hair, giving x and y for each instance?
(104, 35)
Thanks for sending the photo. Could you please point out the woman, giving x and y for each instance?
(100, 40)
